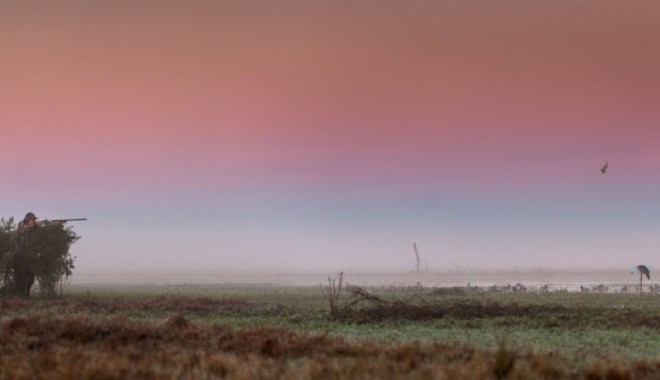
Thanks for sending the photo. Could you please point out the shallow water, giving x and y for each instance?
(536, 280)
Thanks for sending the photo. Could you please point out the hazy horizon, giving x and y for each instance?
(614, 280)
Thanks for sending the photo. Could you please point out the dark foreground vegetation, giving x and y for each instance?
(293, 333)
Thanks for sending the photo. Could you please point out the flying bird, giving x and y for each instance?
(604, 168)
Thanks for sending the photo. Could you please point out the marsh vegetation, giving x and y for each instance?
(292, 332)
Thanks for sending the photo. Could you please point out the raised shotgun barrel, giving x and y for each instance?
(65, 220)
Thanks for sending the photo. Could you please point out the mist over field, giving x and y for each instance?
(208, 139)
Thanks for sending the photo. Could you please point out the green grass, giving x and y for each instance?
(602, 323)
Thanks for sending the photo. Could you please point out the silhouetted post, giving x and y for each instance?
(417, 256)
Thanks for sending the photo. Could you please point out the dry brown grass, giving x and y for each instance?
(367, 307)
(198, 306)
(47, 344)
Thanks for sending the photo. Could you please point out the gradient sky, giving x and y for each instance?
(325, 135)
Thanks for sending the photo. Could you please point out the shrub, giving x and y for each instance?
(7, 244)
(48, 256)
(7, 235)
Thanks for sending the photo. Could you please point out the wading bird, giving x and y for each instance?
(643, 271)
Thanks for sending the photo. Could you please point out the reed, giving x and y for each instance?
(332, 292)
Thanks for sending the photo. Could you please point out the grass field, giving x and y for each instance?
(243, 331)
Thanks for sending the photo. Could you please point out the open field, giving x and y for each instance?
(259, 331)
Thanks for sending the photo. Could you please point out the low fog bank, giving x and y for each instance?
(558, 277)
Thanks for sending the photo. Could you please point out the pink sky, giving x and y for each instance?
(148, 101)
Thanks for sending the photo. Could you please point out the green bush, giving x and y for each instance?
(7, 244)
(46, 254)
(7, 235)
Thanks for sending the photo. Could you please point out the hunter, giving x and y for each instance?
(23, 275)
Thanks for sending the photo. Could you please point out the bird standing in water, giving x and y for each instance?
(643, 270)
